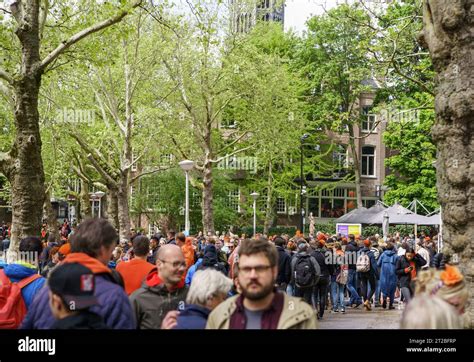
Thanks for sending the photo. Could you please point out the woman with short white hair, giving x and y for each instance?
(208, 289)
(430, 312)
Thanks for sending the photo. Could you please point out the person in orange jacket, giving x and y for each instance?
(186, 245)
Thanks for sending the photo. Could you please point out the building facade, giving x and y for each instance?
(244, 15)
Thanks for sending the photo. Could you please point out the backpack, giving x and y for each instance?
(217, 266)
(363, 263)
(343, 275)
(304, 272)
(12, 306)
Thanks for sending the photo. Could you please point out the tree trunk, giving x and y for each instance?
(207, 200)
(85, 210)
(123, 209)
(27, 175)
(355, 157)
(269, 203)
(48, 211)
(112, 208)
(448, 31)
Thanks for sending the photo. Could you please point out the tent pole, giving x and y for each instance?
(416, 226)
(440, 235)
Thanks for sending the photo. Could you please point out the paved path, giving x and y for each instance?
(377, 318)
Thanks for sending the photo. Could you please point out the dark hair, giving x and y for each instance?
(351, 237)
(172, 232)
(279, 241)
(251, 247)
(181, 237)
(389, 245)
(141, 245)
(31, 244)
(91, 234)
(410, 250)
(51, 238)
(156, 237)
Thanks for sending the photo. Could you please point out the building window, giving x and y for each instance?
(229, 123)
(196, 199)
(340, 156)
(134, 163)
(95, 208)
(233, 200)
(132, 195)
(331, 203)
(166, 159)
(281, 205)
(368, 203)
(368, 161)
(368, 120)
(152, 228)
(62, 212)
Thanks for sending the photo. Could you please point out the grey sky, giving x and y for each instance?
(297, 12)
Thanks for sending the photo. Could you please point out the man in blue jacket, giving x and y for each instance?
(192, 269)
(91, 245)
(26, 265)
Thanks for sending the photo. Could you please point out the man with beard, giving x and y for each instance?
(261, 305)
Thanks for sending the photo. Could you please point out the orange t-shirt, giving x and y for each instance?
(133, 273)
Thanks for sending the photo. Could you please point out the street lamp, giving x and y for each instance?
(187, 166)
(255, 196)
(99, 195)
(303, 138)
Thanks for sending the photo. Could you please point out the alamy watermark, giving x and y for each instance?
(74, 115)
(28, 257)
(399, 115)
(245, 163)
(349, 257)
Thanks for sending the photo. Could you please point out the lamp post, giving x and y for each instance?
(99, 195)
(255, 196)
(303, 138)
(187, 166)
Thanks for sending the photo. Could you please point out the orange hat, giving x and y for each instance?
(322, 242)
(427, 238)
(321, 236)
(65, 249)
(367, 242)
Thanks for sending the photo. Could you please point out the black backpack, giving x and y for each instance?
(304, 273)
(217, 266)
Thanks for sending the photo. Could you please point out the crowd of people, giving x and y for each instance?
(87, 279)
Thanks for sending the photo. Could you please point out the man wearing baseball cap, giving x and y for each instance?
(71, 294)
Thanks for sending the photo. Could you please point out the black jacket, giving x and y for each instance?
(320, 256)
(284, 266)
(351, 254)
(210, 260)
(82, 320)
(438, 261)
(152, 258)
(402, 263)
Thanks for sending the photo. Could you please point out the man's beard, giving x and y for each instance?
(260, 294)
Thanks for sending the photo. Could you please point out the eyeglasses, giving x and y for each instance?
(259, 269)
(175, 264)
